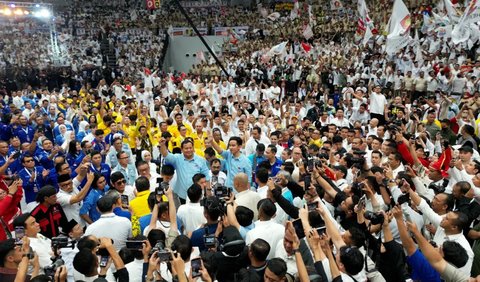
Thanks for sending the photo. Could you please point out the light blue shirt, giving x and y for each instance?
(235, 166)
(186, 170)
(130, 173)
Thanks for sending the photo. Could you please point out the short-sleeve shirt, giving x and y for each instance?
(422, 270)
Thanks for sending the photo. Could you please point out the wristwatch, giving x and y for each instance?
(27, 256)
(296, 251)
(229, 203)
(392, 181)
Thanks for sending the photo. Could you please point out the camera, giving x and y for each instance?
(59, 242)
(437, 189)
(209, 240)
(322, 155)
(162, 254)
(222, 191)
(52, 268)
(375, 218)
(161, 189)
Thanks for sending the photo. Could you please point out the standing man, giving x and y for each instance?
(49, 214)
(187, 165)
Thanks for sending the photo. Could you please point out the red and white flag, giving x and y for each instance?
(290, 57)
(200, 57)
(306, 47)
(295, 13)
(399, 29)
(307, 32)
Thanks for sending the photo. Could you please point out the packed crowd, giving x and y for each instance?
(342, 163)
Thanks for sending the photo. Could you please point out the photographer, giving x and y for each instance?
(15, 260)
(87, 264)
(167, 217)
(212, 212)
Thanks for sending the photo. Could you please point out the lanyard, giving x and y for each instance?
(30, 174)
(26, 131)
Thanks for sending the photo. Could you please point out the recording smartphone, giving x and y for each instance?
(104, 261)
(164, 256)
(321, 230)
(40, 130)
(312, 206)
(311, 161)
(124, 200)
(361, 203)
(196, 267)
(19, 234)
(16, 155)
(134, 245)
(297, 224)
(308, 181)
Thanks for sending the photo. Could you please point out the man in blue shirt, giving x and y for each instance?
(236, 161)
(89, 211)
(84, 156)
(187, 165)
(128, 170)
(99, 144)
(270, 156)
(24, 132)
(45, 128)
(34, 178)
(45, 156)
(258, 156)
(212, 212)
(98, 166)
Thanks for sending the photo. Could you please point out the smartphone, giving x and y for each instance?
(361, 203)
(19, 234)
(297, 224)
(321, 230)
(196, 267)
(308, 181)
(310, 164)
(164, 256)
(104, 261)
(17, 155)
(312, 206)
(124, 200)
(134, 245)
(40, 130)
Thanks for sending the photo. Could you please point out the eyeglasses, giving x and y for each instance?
(28, 161)
(66, 184)
(123, 158)
(120, 182)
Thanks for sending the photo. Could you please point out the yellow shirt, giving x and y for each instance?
(140, 204)
(102, 125)
(173, 129)
(199, 142)
(317, 142)
(130, 135)
(177, 142)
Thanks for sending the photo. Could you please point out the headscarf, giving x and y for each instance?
(144, 152)
(81, 127)
(67, 138)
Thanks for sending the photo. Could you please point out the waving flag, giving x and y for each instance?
(466, 25)
(278, 49)
(452, 12)
(399, 30)
(295, 13)
(306, 47)
(307, 32)
(428, 24)
(290, 57)
(273, 16)
(336, 5)
(368, 35)
(263, 12)
(311, 18)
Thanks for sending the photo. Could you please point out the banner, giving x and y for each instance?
(223, 31)
(203, 4)
(202, 30)
(336, 5)
(399, 30)
(452, 12)
(80, 31)
(178, 31)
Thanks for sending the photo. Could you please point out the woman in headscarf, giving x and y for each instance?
(61, 138)
(69, 136)
(83, 130)
(147, 157)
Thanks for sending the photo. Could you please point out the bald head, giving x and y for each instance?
(373, 122)
(240, 182)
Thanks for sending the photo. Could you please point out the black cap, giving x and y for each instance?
(466, 149)
(69, 226)
(63, 178)
(342, 169)
(116, 176)
(46, 191)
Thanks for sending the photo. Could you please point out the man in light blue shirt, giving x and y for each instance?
(186, 165)
(236, 161)
(124, 166)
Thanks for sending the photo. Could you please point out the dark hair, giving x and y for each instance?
(464, 186)
(461, 221)
(454, 253)
(260, 249)
(6, 247)
(352, 259)
(244, 216)
(20, 220)
(248, 275)
(140, 163)
(450, 202)
(99, 132)
(105, 204)
(197, 177)
(278, 267)
(96, 177)
(357, 236)
(41, 278)
(72, 147)
(236, 139)
(168, 170)
(289, 167)
(274, 149)
(142, 184)
(194, 193)
(183, 245)
(265, 165)
(120, 153)
(94, 153)
(262, 175)
(209, 151)
(213, 208)
(156, 235)
(267, 207)
(86, 243)
(84, 262)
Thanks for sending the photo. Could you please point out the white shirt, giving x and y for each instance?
(115, 227)
(290, 260)
(262, 191)
(269, 231)
(377, 103)
(41, 245)
(190, 216)
(135, 270)
(71, 211)
(250, 200)
(251, 144)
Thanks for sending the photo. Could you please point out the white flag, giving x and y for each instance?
(295, 13)
(452, 12)
(133, 15)
(64, 37)
(273, 16)
(336, 5)
(399, 30)
(440, 6)
(368, 35)
(290, 57)
(444, 31)
(170, 32)
(201, 57)
(278, 49)
(418, 55)
(311, 16)
(307, 32)
(440, 20)
(471, 14)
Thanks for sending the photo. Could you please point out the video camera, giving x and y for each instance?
(221, 191)
(57, 261)
(160, 190)
(437, 189)
(209, 240)
(162, 253)
(374, 217)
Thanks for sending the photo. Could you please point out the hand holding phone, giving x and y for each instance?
(19, 234)
(196, 267)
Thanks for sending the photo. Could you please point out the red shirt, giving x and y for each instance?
(9, 208)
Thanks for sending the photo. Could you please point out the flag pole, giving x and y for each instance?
(200, 36)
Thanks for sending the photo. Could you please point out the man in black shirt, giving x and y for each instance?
(49, 214)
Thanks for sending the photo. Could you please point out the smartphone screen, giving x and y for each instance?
(310, 164)
(321, 230)
(312, 206)
(308, 181)
(19, 234)
(124, 200)
(297, 224)
(103, 261)
(16, 155)
(134, 245)
(196, 266)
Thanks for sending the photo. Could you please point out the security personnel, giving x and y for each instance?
(49, 214)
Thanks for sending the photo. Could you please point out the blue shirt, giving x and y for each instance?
(47, 131)
(186, 170)
(259, 160)
(276, 167)
(3, 160)
(118, 211)
(56, 130)
(244, 230)
(5, 132)
(100, 147)
(25, 134)
(104, 169)
(145, 221)
(235, 166)
(109, 137)
(130, 173)
(90, 204)
(41, 156)
(422, 270)
(78, 160)
(197, 236)
(31, 188)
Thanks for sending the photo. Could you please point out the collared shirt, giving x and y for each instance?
(115, 227)
(422, 270)
(140, 204)
(250, 200)
(269, 231)
(41, 157)
(197, 236)
(235, 166)
(130, 173)
(50, 219)
(90, 204)
(135, 270)
(71, 211)
(191, 216)
(262, 191)
(31, 188)
(104, 170)
(112, 160)
(186, 169)
(25, 134)
(43, 246)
